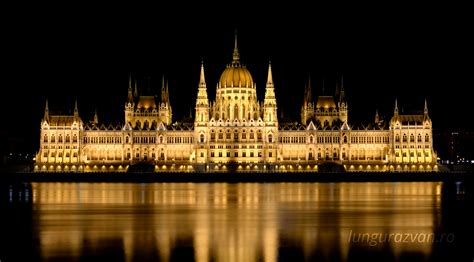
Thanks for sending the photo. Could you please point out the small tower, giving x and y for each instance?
(46, 112)
(342, 104)
(202, 102)
(96, 118)
(76, 110)
(130, 91)
(270, 105)
(395, 111)
(165, 110)
(135, 94)
(307, 110)
(377, 119)
(425, 111)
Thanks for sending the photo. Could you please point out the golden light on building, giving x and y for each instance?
(236, 132)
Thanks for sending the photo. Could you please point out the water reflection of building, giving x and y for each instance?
(231, 222)
(236, 132)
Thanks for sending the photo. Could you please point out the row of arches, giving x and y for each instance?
(412, 138)
(52, 138)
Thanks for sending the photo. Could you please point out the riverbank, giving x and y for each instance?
(235, 177)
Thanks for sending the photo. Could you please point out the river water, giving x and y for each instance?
(409, 221)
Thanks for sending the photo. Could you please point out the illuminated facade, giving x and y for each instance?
(236, 133)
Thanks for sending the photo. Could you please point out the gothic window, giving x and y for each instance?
(419, 138)
(127, 139)
(404, 138)
(427, 138)
(251, 154)
(201, 138)
(202, 154)
(227, 135)
(68, 139)
(53, 139)
(412, 138)
(251, 135)
(236, 111)
(270, 138)
(269, 154)
(161, 140)
(213, 137)
(60, 139)
(345, 139)
(397, 138)
(311, 139)
(74, 139)
(45, 139)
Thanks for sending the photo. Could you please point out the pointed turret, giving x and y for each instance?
(202, 103)
(270, 77)
(76, 110)
(236, 55)
(96, 118)
(308, 96)
(342, 94)
(425, 111)
(270, 105)
(46, 111)
(377, 119)
(135, 94)
(202, 79)
(395, 111)
(130, 90)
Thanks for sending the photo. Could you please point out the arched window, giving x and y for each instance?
(310, 139)
(236, 112)
(419, 138)
(45, 139)
(53, 139)
(427, 138)
(270, 138)
(412, 138)
(201, 138)
(74, 139)
(397, 138)
(127, 139)
(161, 140)
(345, 139)
(404, 138)
(60, 140)
(68, 139)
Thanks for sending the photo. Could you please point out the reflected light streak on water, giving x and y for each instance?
(230, 222)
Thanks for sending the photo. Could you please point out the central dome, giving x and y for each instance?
(236, 75)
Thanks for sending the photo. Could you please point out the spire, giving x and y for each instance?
(135, 94)
(342, 94)
(395, 111)
(130, 81)
(426, 108)
(376, 116)
(308, 95)
(202, 80)
(270, 77)
(96, 117)
(46, 111)
(163, 82)
(236, 55)
(76, 110)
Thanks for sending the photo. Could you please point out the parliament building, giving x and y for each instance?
(236, 133)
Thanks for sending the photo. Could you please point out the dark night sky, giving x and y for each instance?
(384, 52)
